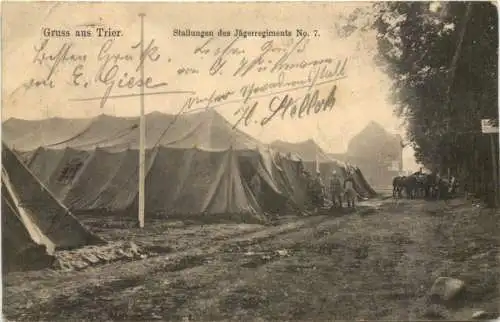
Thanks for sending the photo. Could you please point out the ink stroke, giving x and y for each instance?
(275, 78)
(258, 80)
(115, 72)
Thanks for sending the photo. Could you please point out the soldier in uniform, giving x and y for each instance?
(336, 190)
(308, 180)
(350, 192)
(318, 192)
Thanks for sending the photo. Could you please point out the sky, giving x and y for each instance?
(360, 95)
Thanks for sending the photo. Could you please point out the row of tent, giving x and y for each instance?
(196, 164)
(178, 182)
(56, 167)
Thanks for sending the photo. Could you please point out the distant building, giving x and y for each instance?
(378, 153)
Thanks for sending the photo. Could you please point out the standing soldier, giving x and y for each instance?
(336, 189)
(307, 178)
(318, 190)
(350, 192)
(300, 169)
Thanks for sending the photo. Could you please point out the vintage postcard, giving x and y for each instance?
(261, 161)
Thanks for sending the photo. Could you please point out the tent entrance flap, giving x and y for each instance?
(14, 204)
(46, 219)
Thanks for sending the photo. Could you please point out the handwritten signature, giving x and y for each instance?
(110, 74)
(110, 71)
(289, 106)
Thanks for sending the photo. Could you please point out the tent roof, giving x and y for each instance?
(205, 130)
(307, 150)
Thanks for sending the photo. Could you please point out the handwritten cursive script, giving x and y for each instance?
(111, 75)
(267, 75)
(300, 107)
(112, 72)
(53, 60)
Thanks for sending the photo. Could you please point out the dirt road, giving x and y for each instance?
(377, 263)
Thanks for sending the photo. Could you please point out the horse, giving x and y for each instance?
(415, 185)
(439, 188)
(423, 185)
(412, 185)
(433, 186)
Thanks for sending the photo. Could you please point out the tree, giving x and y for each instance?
(443, 60)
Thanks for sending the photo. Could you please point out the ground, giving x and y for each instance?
(377, 263)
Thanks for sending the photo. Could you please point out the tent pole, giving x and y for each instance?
(142, 130)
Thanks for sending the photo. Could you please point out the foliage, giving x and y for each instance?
(443, 60)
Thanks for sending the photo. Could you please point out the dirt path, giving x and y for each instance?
(375, 264)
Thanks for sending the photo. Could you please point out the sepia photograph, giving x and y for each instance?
(250, 161)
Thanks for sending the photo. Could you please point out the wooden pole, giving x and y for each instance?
(494, 169)
(142, 139)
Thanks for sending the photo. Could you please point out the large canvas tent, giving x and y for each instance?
(34, 222)
(315, 159)
(196, 164)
